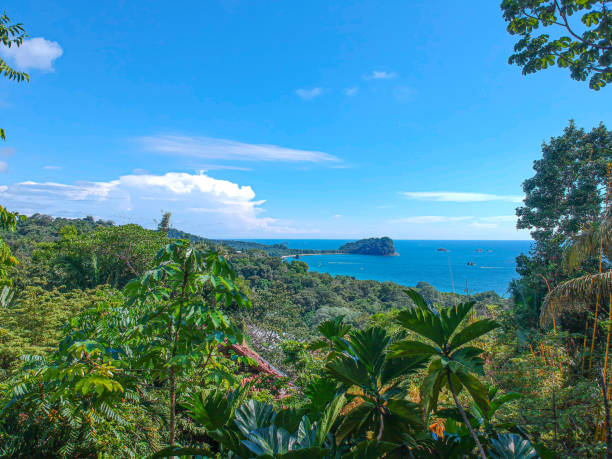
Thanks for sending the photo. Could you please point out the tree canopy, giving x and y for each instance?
(580, 39)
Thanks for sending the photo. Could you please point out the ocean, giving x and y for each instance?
(493, 263)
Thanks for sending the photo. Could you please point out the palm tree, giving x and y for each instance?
(375, 381)
(593, 241)
(453, 363)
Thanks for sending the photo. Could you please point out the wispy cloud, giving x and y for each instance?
(52, 168)
(309, 94)
(351, 91)
(458, 196)
(229, 150)
(34, 53)
(226, 207)
(380, 75)
(500, 219)
(219, 167)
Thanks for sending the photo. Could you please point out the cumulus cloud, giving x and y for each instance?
(381, 75)
(3, 166)
(210, 148)
(199, 203)
(351, 91)
(309, 94)
(456, 196)
(34, 53)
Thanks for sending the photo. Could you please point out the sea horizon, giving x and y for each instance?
(473, 265)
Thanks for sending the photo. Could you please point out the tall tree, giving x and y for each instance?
(581, 41)
(164, 224)
(566, 193)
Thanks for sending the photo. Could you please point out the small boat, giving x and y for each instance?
(442, 249)
(471, 263)
(479, 250)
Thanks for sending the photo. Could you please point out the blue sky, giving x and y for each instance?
(322, 119)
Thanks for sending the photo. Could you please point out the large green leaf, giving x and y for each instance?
(410, 348)
(468, 356)
(348, 370)
(477, 390)
(328, 419)
(424, 322)
(512, 446)
(289, 419)
(369, 346)
(402, 366)
(473, 331)
(355, 421)
(432, 384)
(370, 449)
(215, 408)
(417, 298)
(320, 392)
(334, 328)
(452, 317)
(253, 415)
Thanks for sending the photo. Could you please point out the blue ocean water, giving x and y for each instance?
(493, 269)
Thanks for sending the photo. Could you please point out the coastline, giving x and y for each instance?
(394, 254)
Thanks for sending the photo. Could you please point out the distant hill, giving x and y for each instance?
(372, 246)
(275, 250)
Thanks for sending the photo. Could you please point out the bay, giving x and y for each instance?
(494, 263)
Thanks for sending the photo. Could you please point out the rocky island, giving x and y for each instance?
(382, 246)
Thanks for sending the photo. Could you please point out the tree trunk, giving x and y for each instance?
(464, 416)
(604, 391)
(381, 428)
(172, 406)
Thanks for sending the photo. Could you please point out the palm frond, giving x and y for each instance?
(575, 292)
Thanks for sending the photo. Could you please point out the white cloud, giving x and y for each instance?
(381, 75)
(210, 148)
(52, 168)
(309, 94)
(3, 166)
(351, 91)
(456, 196)
(337, 216)
(34, 53)
(199, 203)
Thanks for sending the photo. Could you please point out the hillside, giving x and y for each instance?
(382, 246)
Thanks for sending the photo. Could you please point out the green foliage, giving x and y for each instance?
(364, 368)
(565, 195)
(582, 44)
(371, 246)
(11, 35)
(452, 363)
(8, 222)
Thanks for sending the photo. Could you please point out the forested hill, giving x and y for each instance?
(372, 246)
(276, 250)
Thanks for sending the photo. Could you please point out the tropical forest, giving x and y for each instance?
(163, 337)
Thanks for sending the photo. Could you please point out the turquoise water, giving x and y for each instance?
(493, 268)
